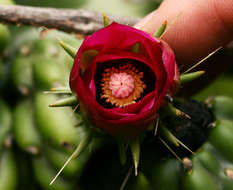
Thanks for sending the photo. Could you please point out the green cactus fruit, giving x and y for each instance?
(222, 107)
(56, 125)
(8, 171)
(199, 179)
(227, 180)
(4, 32)
(57, 158)
(44, 174)
(47, 74)
(5, 122)
(166, 174)
(221, 138)
(1, 69)
(21, 74)
(25, 131)
(40, 62)
(208, 160)
(4, 37)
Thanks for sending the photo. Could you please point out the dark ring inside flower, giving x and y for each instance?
(144, 82)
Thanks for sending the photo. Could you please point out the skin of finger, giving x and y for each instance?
(202, 27)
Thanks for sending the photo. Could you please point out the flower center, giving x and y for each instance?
(121, 84)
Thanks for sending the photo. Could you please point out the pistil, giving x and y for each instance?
(122, 86)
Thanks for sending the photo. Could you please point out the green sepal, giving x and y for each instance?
(70, 101)
(172, 139)
(135, 48)
(158, 33)
(135, 150)
(106, 20)
(79, 121)
(184, 78)
(122, 152)
(68, 48)
(87, 58)
(59, 90)
(170, 110)
(83, 144)
(168, 135)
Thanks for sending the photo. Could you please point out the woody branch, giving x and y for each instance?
(69, 20)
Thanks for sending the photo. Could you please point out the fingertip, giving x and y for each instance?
(197, 32)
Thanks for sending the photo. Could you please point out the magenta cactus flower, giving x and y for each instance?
(121, 76)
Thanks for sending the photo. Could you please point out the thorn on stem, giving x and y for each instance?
(170, 149)
(80, 148)
(156, 126)
(215, 51)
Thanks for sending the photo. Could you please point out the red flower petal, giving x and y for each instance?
(115, 43)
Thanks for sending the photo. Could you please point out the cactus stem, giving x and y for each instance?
(135, 150)
(158, 33)
(184, 78)
(80, 148)
(70, 101)
(69, 49)
(201, 61)
(170, 149)
(106, 20)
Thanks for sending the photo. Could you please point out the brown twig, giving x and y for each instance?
(69, 20)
